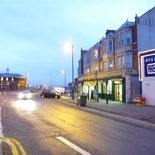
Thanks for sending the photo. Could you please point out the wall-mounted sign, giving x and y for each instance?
(149, 65)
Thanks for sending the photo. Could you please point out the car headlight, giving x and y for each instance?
(29, 95)
(21, 95)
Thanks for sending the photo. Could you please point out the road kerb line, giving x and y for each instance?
(73, 146)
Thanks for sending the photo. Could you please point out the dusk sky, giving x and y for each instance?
(33, 33)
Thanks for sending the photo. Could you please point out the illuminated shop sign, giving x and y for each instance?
(149, 65)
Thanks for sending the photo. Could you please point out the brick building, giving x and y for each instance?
(12, 81)
(111, 65)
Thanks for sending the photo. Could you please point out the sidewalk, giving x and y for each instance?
(144, 113)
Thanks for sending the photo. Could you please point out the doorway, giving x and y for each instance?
(118, 92)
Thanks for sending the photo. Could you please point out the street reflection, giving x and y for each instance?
(28, 105)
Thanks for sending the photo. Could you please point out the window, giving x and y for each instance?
(121, 38)
(88, 70)
(118, 41)
(122, 61)
(95, 53)
(110, 46)
(87, 58)
(105, 65)
(119, 62)
(129, 60)
(128, 37)
(110, 62)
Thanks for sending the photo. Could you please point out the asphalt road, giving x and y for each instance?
(50, 127)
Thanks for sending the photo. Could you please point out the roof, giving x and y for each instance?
(11, 75)
(126, 24)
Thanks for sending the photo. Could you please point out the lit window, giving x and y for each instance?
(95, 53)
(119, 62)
(110, 64)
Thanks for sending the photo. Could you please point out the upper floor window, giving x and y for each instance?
(121, 38)
(110, 63)
(87, 58)
(120, 62)
(129, 60)
(118, 40)
(88, 70)
(105, 65)
(95, 54)
(110, 45)
(128, 37)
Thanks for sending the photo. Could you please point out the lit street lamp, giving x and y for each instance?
(64, 72)
(66, 48)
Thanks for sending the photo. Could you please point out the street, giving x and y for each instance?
(45, 126)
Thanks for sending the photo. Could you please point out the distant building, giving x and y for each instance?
(111, 65)
(12, 81)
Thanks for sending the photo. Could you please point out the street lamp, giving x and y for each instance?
(64, 72)
(72, 73)
(68, 47)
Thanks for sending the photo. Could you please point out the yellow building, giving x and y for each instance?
(12, 81)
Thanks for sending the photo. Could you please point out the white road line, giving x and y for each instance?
(73, 146)
(1, 132)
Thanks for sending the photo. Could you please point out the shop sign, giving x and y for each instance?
(89, 83)
(149, 65)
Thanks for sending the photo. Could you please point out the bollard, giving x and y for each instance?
(107, 99)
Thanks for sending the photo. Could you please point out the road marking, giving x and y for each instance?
(19, 146)
(3, 102)
(73, 146)
(1, 131)
(14, 145)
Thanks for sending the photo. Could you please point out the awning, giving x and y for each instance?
(89, 83)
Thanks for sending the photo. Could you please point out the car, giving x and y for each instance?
(50, 94)
(25, 94)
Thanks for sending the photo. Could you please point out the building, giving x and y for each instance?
(111, 66)
(147, 75)
(12, 82)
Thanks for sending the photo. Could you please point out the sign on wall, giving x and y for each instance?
(149, 65)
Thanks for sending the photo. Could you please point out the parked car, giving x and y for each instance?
(50, 94)
(25, 94)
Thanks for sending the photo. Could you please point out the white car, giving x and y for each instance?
(25, 94)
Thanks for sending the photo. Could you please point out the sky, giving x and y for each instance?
(33, 34)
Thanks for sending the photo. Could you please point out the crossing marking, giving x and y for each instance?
(73, 146)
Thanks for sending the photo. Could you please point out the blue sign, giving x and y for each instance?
(149, 65)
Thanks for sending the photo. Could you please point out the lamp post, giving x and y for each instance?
(72, 73)
(68, 47)
(64, 72)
